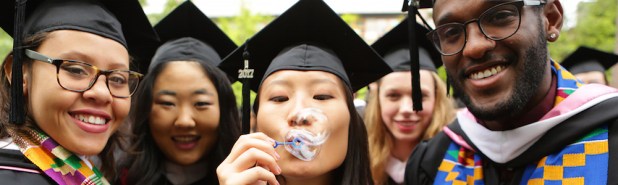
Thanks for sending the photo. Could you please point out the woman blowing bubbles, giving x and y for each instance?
(307, 64)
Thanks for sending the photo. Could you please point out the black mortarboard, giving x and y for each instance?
(308, 36)
(121, 20)
(394, 48)
(313, 23)
(586, 59)
(188, 34)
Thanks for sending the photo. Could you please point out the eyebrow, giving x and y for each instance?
(447, 16)
(323, 80)
(172, 93)
(202, 91)
(166, 92)
(279, 82)
(87, 59)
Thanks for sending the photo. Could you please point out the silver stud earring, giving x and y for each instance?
(552, 36)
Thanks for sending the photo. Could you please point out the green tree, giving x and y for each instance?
(596, 27)
(240, 28)
(6, 44)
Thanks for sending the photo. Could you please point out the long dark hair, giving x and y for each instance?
(355, 168)
(145, 164)
(107, 157)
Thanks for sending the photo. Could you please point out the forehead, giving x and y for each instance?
(183, 74)
(401, 79)
(445, 11)
(301, 77)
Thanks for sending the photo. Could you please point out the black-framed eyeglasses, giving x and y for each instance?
(79, 76)
(496, 23)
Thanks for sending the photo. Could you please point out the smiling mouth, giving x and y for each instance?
(489, 72)
(185, 139)
(91, 119)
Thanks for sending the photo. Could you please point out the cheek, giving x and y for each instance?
(428, 109)
(161, 120)
(45, 95)
(121, 108)
(388, 110)
(450, 64)
(208, 122)
(270, 122)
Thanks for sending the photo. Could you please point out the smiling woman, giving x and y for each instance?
(184, 119)
(77, 85)
(394, 128)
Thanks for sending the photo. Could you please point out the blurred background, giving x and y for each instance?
(587, 22)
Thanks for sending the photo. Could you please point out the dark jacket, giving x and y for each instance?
(15, 168)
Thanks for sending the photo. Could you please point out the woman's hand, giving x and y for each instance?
(253, 160)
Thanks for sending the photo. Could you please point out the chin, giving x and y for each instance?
(298, 169)
(302, 172)
(184, 162)
(88, 150)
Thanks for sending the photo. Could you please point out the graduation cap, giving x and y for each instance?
(121, 20)
(394, 48)
(188, 34)
(586, 59)
(309, 36)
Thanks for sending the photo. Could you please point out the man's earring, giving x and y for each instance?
(552, 36)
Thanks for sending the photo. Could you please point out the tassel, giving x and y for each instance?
(406, 4)
(417, 101)
(448, 86)
(246, 75)
(17, 115)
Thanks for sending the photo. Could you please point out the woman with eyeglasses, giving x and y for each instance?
(184, 119)
(76, 87)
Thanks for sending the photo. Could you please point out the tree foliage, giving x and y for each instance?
(596, 28)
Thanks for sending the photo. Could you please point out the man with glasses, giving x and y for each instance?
(528, 120)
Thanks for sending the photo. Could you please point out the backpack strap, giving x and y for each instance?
(612, 140)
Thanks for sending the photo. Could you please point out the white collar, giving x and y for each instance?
(183, 175)
(396, 169)
(7, 143)
(503, 146)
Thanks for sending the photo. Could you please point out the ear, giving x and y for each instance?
(7, 67)
(8, 71)
(553, 18)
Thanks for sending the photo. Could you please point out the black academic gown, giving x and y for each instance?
(14, 158)
(164, 181)
(423, 164)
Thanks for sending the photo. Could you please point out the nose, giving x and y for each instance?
(405, 106)
(99, 93)
(294, 118)
(185, 118)
(477, 44)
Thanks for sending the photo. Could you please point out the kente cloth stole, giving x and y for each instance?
(61, 165)
(583, 162)
(461, 165)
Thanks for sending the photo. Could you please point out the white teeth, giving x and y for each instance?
(96, 120)
(487, 73)
(185, 138)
